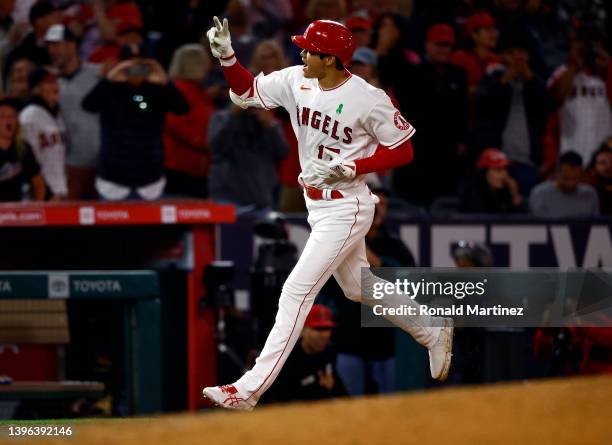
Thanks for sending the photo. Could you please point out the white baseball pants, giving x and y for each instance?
(336, 246)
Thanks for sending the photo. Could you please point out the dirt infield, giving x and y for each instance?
(570, 411)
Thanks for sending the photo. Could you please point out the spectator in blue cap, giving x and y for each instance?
(364, 64)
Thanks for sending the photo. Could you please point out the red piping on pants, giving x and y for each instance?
(302, 303)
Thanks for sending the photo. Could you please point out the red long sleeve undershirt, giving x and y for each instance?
(241, 80)
(385, 159)
(238, 77)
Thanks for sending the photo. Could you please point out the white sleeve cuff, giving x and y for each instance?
(228, 62)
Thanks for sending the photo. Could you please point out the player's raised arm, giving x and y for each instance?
(238, 77)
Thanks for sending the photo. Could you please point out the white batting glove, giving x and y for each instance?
(336, 169)
(220, 40)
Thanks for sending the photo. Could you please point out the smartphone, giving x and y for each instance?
(139, 70)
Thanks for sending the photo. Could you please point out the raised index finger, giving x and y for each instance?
(225, 26)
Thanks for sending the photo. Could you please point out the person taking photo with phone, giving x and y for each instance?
(133, 99)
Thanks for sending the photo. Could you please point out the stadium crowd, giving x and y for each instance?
(119, 99)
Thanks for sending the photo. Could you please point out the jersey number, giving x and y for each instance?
(322, 151)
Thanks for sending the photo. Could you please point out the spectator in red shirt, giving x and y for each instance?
(120, 24)
(483, 32)
(109, 54)
(187, 159)
(111, 15)
(95, 22)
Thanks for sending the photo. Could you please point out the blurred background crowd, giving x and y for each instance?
(120, 99)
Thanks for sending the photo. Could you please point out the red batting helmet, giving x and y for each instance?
(327, 37)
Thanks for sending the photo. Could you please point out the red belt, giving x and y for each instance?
(317, 194)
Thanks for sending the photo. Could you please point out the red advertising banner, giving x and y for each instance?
(121, 213)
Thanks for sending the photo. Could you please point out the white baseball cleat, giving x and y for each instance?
(228, 397)
(440, 354)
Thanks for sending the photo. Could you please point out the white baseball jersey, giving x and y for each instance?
(46, 135)
(352, 118)
(586, 118)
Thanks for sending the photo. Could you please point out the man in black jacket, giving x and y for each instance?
(133, 100)
(434, 96)
(512, 106)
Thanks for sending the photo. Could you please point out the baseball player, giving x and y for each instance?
(340, 122)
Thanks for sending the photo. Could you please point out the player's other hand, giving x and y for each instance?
(220, 39)
(336, 169)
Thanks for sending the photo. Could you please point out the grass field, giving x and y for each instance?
(569, 411)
